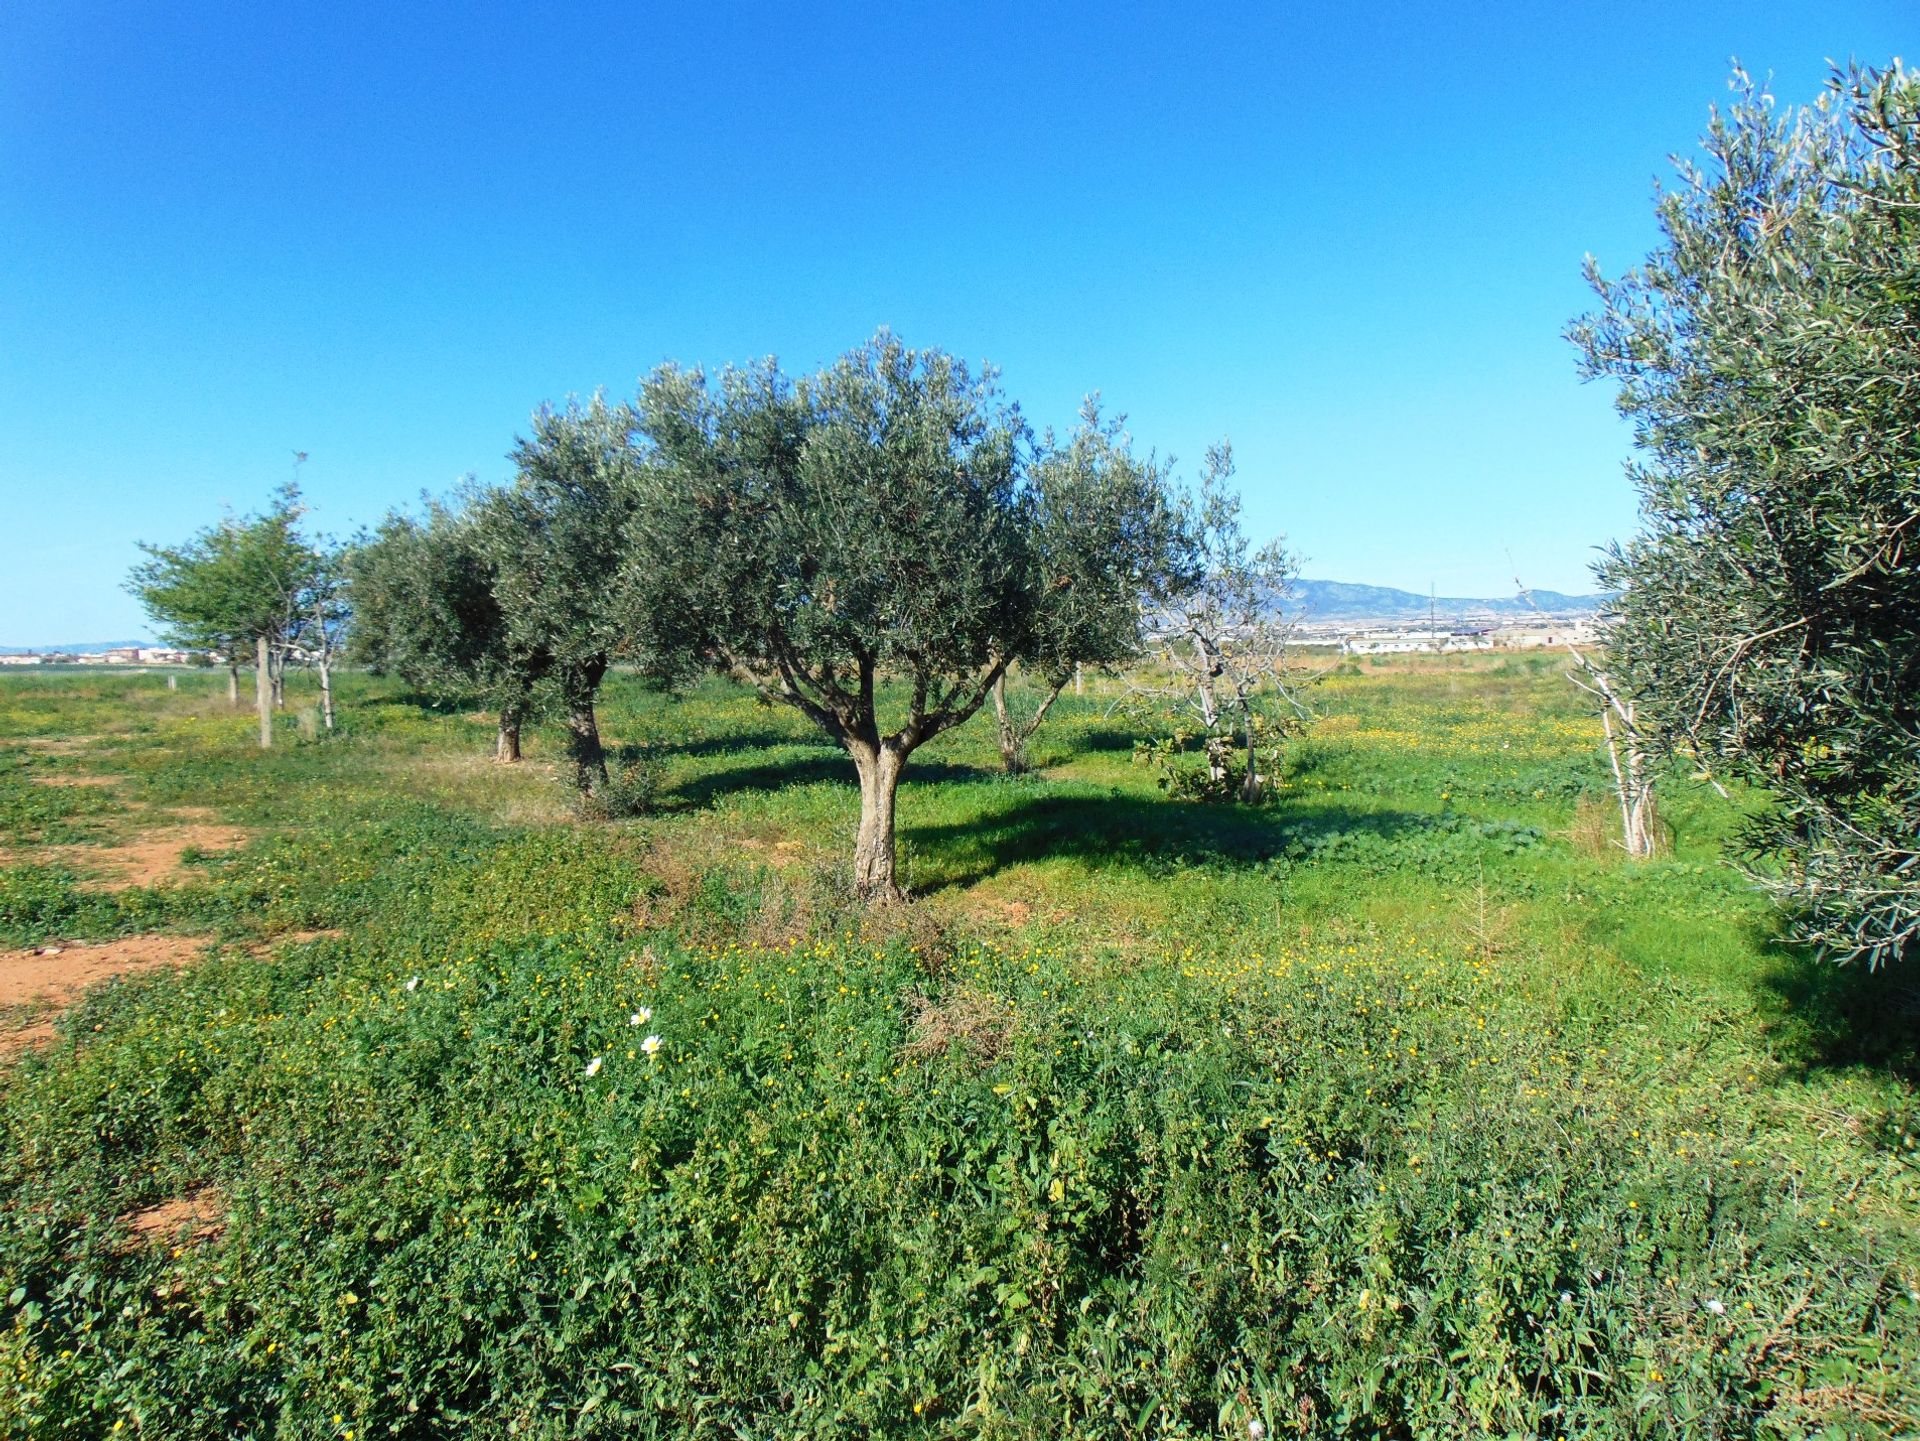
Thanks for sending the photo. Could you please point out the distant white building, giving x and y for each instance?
(1414, 642)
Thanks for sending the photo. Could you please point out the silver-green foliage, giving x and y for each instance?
(884, 518)
(1768, 354)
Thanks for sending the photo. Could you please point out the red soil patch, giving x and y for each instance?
(59, 745)
(56, 974)
(200, 1215)
(150, 857)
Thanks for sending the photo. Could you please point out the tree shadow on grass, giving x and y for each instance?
(1149, 834)
(1098, 736)
(407, 700)
(732, 743)
(1836, 1016)
(814, 765)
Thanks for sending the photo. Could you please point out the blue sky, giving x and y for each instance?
(1346, 237)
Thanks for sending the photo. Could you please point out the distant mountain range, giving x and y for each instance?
(1337, 600)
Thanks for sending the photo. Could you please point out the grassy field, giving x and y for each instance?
(1399, 1106)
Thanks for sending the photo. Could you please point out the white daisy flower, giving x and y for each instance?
(650, 1045)
(641, 1016)
(593, 1068)
(414, 984)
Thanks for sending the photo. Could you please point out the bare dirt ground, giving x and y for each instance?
(155, 855)
(62, 745)
(147, 858)
(200, 1215)
(53, 975)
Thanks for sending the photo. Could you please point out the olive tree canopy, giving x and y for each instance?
(555, 543)
(425, 610)
(879, 521)
(1768, 354)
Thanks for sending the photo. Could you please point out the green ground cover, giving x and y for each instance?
(1400, 1106)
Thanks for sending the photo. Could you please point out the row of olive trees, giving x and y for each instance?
(256, 588)
(874, 545)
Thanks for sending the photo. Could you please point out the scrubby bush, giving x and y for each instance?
(632, 788)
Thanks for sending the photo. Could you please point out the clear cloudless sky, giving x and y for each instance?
(1348, 237)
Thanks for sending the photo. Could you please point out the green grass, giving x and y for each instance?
(1396, 1107)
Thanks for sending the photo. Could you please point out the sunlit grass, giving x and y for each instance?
(1395, 1106)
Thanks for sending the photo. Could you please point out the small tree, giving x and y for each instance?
(1224, 642)
(1768, 354)
(555, 541)
(234, 585)
(425, 610)
(1626, 745)
(877, 520)
(325, 613)
(187, 592)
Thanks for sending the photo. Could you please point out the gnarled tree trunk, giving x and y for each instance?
(579, 687)
(506, 746)
(323, 662)
(873, 850)
(1013, 757)
(1250, 784)
(325, 668)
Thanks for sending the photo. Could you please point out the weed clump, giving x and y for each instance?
(976, 1021)
(631, 790)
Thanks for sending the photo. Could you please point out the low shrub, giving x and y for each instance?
(631, 789)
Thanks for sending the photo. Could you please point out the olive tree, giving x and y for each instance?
(1768, 625)
(242, 584)
(555, 542)
(425, 610)
(1224, 641)
(865, 545)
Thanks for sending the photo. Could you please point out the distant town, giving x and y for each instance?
(109, 655)
(1335, 615)
(1444, 635)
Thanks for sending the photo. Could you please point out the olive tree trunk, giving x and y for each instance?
(506, 747)
(323, 662)
(233, 680)
(263, 690)
(583, 727)
(873, 849)
(325, 669)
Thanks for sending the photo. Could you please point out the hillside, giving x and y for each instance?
(1340, 600)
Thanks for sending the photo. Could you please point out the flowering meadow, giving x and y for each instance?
(1401, 1105)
